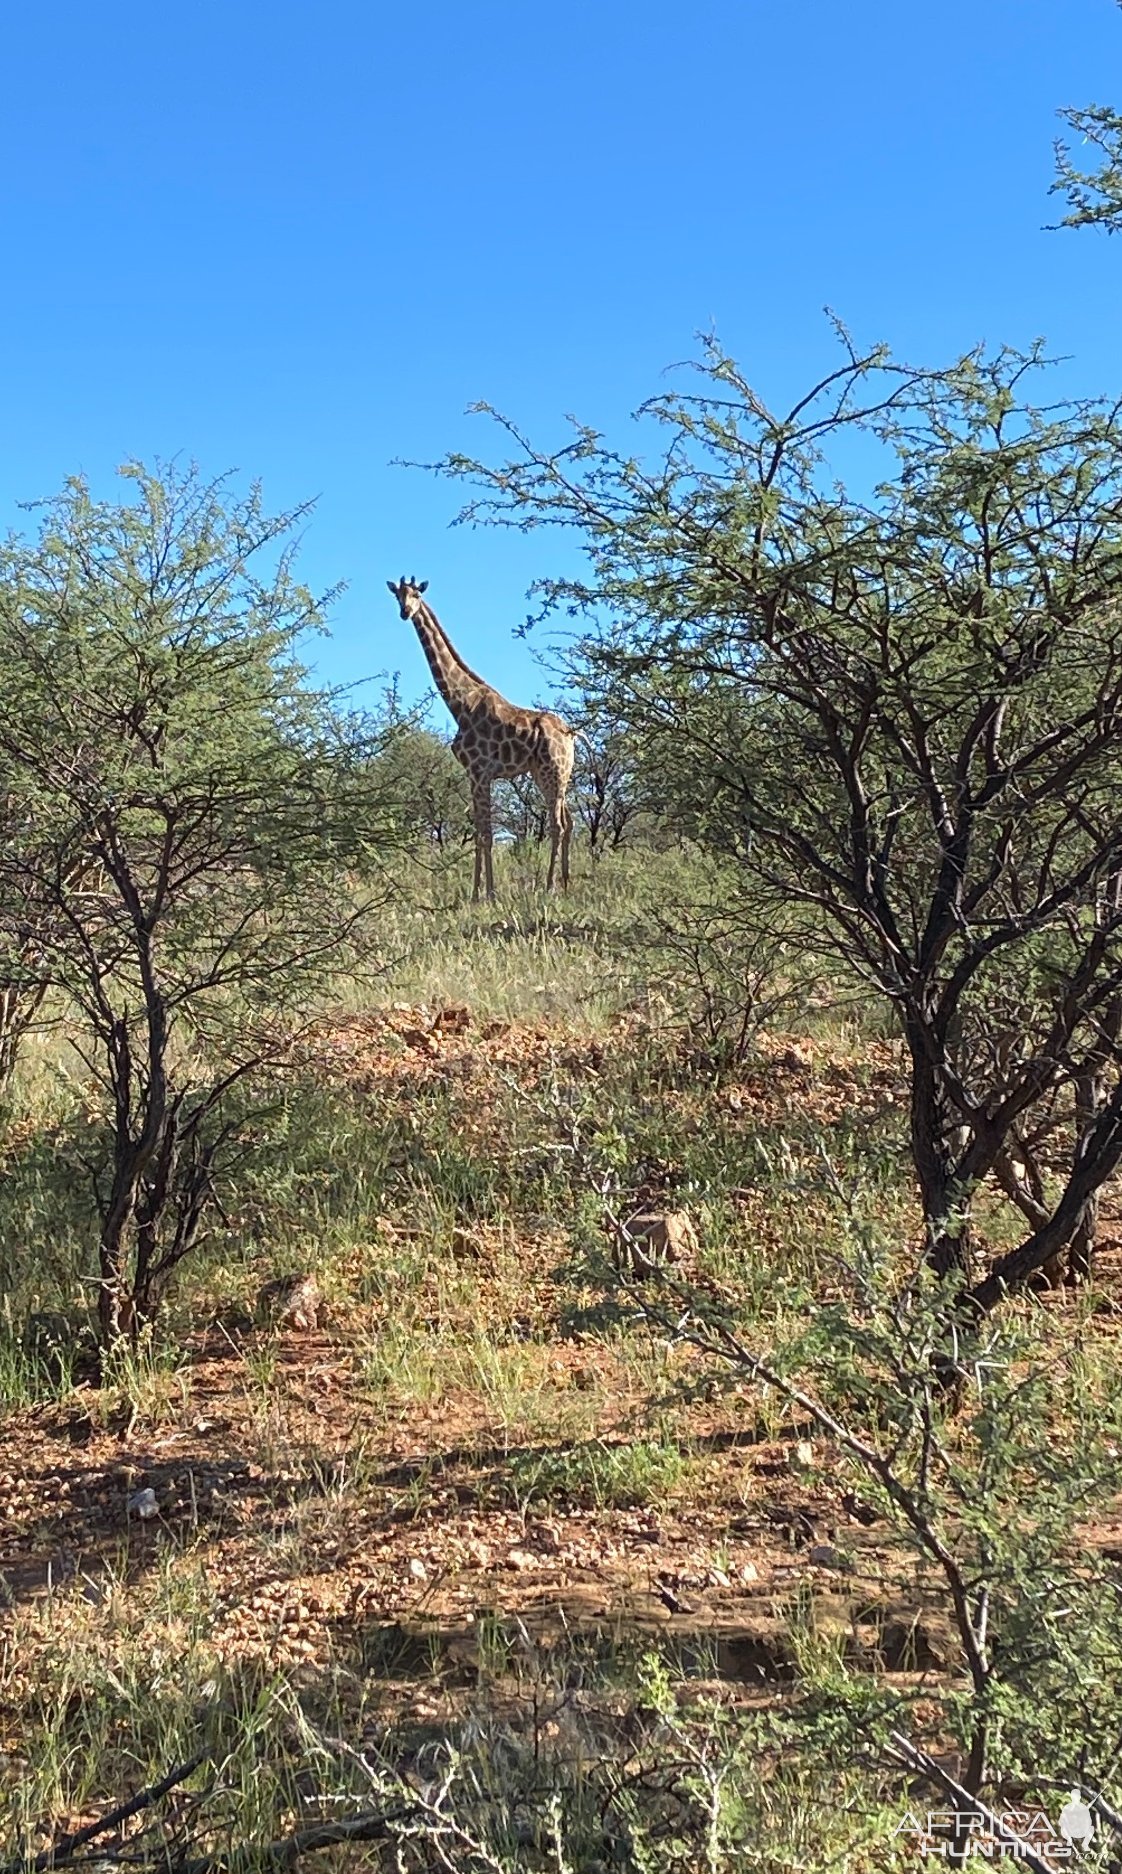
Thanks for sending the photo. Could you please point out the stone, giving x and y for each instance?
(466, 1246)
(653, 1239)
(291, 1301)
(452, 1020)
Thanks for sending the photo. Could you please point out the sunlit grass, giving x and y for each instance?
(481, 1355)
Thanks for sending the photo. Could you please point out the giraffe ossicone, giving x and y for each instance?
(495, 739)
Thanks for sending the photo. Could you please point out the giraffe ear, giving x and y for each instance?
(424, 586)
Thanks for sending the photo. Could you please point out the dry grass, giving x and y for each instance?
(488, 1491)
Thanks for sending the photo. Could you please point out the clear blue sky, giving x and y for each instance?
(298, 241)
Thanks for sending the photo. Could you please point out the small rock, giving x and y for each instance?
(291, 1301)
(802, 1455)
(749, 1572)
(421, 1042)
(452, 1020)
(796, 1060)
(650, 1239)
(143, 1503)
(466, 1246)
(418, 1570)
(824, 1555)
(719, 1579)
(521, 1558)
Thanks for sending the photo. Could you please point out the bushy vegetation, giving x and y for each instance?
(185, 817)
(897, 712)
(450, 1190)
(556, 1385)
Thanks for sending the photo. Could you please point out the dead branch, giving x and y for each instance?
(63, 1851)
(286, 1851)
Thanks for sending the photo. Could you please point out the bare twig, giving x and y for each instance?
(918, 1761)
(64, 1850)
(286, 1851)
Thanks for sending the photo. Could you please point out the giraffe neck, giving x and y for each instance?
(459, 686)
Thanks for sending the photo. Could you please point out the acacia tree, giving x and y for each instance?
(607, 796)
(428, 784)
(1094, 196)
(520, 813)
(27, 919)
(900, 710)
(199, 813)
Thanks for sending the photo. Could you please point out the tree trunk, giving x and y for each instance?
(1091, 1088)
(1090, 1099)
(934, 1127)
(1098, 1158)
(116, 1316)
(141, 1122)
(19, 1005)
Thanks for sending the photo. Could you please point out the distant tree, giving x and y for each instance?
(184, 820)
(607, 796)
(900, 711)
(519, 812)
(427, 784)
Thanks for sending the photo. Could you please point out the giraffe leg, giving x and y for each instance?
(481, 814)
(560, 829)
(551, 806)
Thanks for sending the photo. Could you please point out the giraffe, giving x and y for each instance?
(495, 740)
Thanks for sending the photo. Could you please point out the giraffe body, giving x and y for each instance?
(495, 740)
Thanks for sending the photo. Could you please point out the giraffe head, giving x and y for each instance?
(408, 595)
